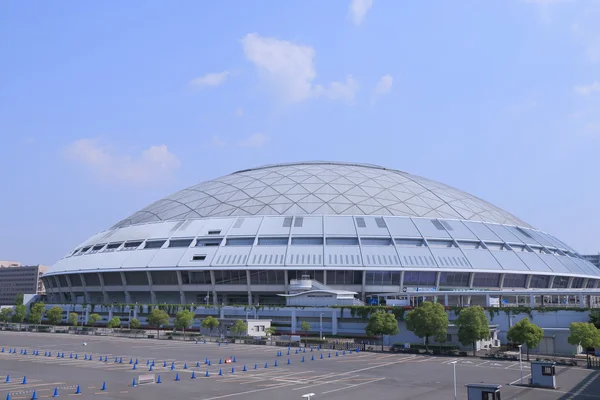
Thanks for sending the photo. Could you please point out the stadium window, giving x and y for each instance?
(342, 241)
(215, 232)
(180, 242)
(239, 242)
(199, 257)
(307, 241)
(273, 241)
(154, 244)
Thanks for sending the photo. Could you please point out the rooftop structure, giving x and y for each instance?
(241, 239)
(18, 279)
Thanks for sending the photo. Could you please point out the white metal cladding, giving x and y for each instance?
(394, 243)
(321, 188)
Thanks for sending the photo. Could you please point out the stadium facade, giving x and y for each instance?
(241, 239)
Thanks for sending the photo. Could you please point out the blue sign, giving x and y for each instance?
(373, 302)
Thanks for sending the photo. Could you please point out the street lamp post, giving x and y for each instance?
(454, 373)
(321, 326)
(247, 312)
(521, 361)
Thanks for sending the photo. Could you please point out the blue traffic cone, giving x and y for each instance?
(344, 353)
(304, 350)
(244, 369)
(209, 363)
(9, 351)
(131, 361)
(220, 372)
(336, 354)
(7, 379)
(193, 375)
(185, 366)
(71, 355)
(2, 350)
(312, 358)
(158, 379)
(34, 395)
(219, 344)
(177, 376)
(104, 385)
(172, 367)
(78, 390)
(197, 364)
(55, 392)
(7, 396)
(153, 363)
(58, 355)
(321, 356)
(62, 355)
(76, 356)
(105, 358)
(296, 351)
(227, 342)
(206, 360)
(232, 370)
(49, 354)
(164, 364)
(288, 352)
(134, 367)
(255, 366)
(90, 357)
(302, 358)
(147, 362)
(207, 374)
(196, 341)
(116, 359)
(204, 341)
(120, 360)
(150, 367)
(289, 362)
(220, 361)
(136, 361)
(267, 365)
(133, 383)
(234, 360)
(24, 380)
(275, 363)
(329, 356)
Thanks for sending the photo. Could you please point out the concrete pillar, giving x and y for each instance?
(294, 322)
(401, 281)
(124, 283)
(214, 289)
(334, 322)
(364, 283)
(249, 285)
(110, 312)
(286, 279)
(104, 292)
(528, 281)
(532, 300)
(152, 294)
(68, 279)
(446, 300)
(221, 312)
(501, 283)
(180, 286)
(85, 291)
(581, 300)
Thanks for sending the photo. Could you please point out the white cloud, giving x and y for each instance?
(584, 90)
(153, 164)
(210, 80)
(384, 85)
(289, 69)
(257, 141)
(358, 9)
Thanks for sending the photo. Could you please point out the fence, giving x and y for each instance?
(593, 362)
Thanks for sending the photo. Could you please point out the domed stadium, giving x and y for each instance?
(242, 238)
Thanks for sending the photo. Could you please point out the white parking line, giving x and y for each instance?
(518, 380)
(352, 386)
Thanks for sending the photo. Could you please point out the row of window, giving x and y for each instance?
(269, 277)
(314, 241)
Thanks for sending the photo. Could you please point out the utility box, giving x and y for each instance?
(483, 391)
(543, 374)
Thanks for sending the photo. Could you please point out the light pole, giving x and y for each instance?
(454, 370)
(321, 326)
(521, 361)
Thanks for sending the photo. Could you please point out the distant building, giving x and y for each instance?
(593, 258)
(20, 279)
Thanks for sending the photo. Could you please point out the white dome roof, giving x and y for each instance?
(321, 188)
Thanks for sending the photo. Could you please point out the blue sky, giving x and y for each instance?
(108, 106)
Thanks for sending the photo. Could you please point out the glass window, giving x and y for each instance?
(154, 244)
(200, 277)
(560, 282)
(577, 283)
(239, 242)
(180, 242)
(277, 241)
(539, 282)
(413, 278)
(136, 278)
(514, 281)
(208, 242)
(455, 279)
(486, 280)
(307, 241)
(133, 245)
(164, 278)
(590, 284)
(376, 241)
(342, 241)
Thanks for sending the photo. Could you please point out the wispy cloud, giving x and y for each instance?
(358, 9)
(210, 80)
(152, 165)
(288, 68)
(257, 141)
(585, 90)
(384, 85)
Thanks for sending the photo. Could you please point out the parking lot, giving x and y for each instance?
(267, 375)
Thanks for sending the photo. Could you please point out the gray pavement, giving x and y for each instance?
(342, 376)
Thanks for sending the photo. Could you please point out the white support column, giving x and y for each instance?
(294, 322)
(532, 300)
(501, 285)
(214, 287)
(180, 287)
(104, 292)
(334, 322)
(85, 291)
(364, 282)
(68, 279)
(249, 285)
(124, 283)
(528, 281)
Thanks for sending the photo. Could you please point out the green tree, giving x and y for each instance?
(73, 319)
(584, 334)
(210, 323)
(19, 314)
(270, 331)
(36, 313)
(114, 322)
(595, 318)
(93, 318)
(5, 315)
(472, 326)
(382, 323)
(240, 327)
(184, 319)
(158, 318)
(19, 299)
(427, 320)
(135, 323)
(54, 315)
(305, 327)
(524, 332)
